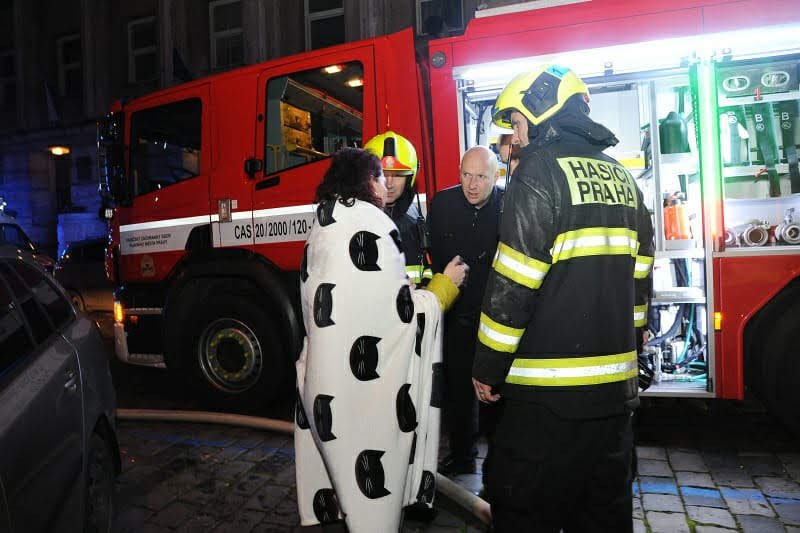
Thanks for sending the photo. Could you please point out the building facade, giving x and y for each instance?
(62, 63)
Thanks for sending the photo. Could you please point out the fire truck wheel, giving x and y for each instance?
(235, 352)
(77, 301)
(781, 369)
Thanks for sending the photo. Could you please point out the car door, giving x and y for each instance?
(5, 525)
(41, 421)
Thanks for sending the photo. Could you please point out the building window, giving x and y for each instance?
(227, 39)
(165, 145)
(437, 18)
(142, 50)
(70, 77)
(8, 81)
(324, 23)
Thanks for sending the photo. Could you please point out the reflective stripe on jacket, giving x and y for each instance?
(570, 279)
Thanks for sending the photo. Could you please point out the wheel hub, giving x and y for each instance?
(229, 355)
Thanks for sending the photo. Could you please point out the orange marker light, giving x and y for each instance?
(717, 320)
(119, 316)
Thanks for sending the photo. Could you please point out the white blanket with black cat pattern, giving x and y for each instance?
(367, 417)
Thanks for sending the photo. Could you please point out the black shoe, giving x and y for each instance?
(483, 495)
(419, 512)
(452, 466)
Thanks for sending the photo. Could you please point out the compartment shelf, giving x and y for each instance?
(729, 101)
(751, 170)
(680, 163)
(677, 295)
(775, 249)
(686, 253)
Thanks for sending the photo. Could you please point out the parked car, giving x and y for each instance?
(81, 271)
(13, 237)
(59, 455)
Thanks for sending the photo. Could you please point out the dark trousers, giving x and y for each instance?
(460, 406)
(550, 473)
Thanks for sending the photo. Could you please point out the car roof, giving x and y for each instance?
(88, 242)
(12, 252)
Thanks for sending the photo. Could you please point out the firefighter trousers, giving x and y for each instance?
(552, 474)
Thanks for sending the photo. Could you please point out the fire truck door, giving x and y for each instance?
(308, 109)
(170, 163)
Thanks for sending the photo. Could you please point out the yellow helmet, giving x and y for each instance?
(538, 95)
(395, 152)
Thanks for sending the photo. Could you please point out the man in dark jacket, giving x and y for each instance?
(557, 329)
(464, 222)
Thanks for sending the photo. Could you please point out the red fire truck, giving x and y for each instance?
(213, 181)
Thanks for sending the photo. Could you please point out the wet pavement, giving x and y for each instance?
(199, 477)
(715, 470)
(705, 466)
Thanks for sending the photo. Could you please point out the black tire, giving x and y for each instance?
(100, 478)
(77, 301)
(781, 368)
(231, 349)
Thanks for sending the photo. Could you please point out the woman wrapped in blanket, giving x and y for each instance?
(367, 416)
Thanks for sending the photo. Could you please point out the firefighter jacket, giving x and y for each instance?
(459, 228)
(411, 224)
(569, 281)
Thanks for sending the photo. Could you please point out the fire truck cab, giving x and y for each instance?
(214, 181)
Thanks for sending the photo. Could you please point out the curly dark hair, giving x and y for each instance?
(348, 178)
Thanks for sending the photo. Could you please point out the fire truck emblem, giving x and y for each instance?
(147, 267)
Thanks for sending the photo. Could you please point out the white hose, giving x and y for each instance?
(472, 503)
(254, 422)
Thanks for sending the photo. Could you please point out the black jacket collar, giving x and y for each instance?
(570, 125)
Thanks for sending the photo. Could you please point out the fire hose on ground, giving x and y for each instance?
(465, 499)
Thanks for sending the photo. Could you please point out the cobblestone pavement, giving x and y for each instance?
(198, 477)
(734, 475)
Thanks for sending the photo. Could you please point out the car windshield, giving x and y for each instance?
(13, 235)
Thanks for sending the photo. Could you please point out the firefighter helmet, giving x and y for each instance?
(396, 153)
(538, 94)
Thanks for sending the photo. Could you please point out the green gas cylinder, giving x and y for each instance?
(673, 134)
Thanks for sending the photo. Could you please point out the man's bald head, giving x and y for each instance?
(478, 175)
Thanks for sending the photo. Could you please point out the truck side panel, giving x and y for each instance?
(744, 285)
